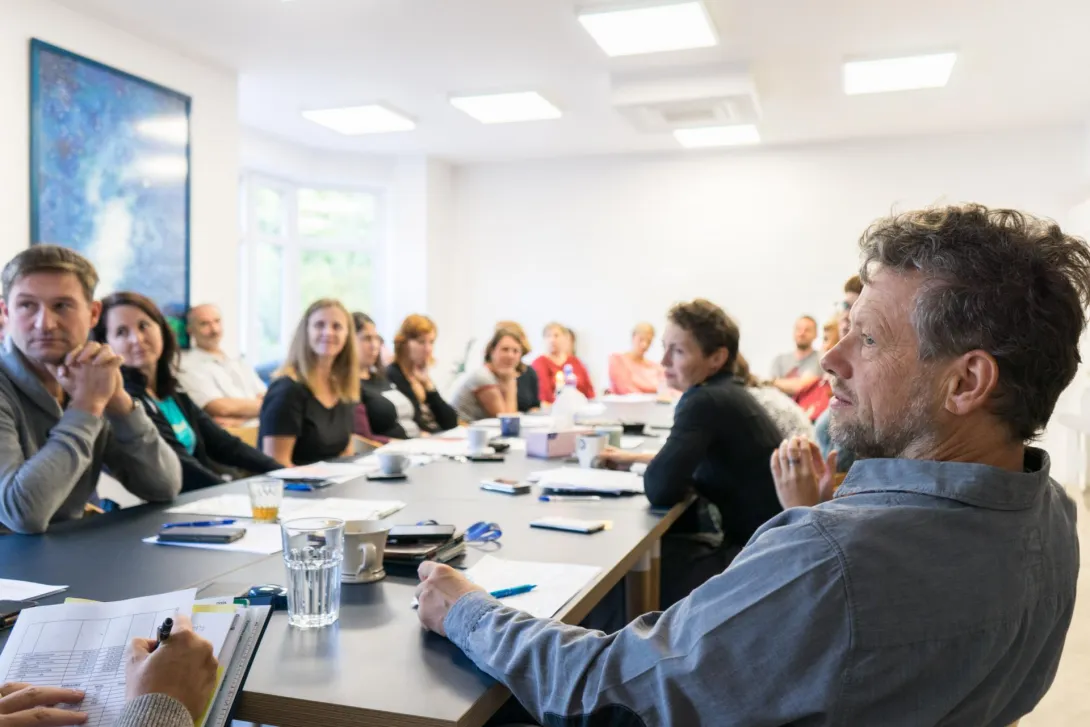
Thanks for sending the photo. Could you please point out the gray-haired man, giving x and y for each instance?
(936, 588)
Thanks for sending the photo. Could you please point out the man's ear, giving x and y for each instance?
(96, 312)
(971, 380)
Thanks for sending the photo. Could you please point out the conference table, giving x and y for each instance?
(377, 665)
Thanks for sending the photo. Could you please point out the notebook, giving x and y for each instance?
(48, 640)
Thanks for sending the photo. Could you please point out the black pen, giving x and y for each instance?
(164, 633)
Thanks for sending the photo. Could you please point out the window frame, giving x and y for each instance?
(293, 245)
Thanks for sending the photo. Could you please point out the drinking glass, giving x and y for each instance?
(266, 494)
(313, 551)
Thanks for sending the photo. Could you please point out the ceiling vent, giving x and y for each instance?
(688, 98)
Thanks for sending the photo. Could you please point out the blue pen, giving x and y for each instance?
(505, 592)
(298, 487)
(204, 524)
(569, 498)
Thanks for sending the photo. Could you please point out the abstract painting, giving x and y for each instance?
(109, 173)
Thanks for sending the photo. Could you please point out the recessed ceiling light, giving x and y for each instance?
(370, 119)
(898, 74)
(705, 136)
(654, 29)
(501, 108)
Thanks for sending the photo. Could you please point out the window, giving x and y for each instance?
(301, 244)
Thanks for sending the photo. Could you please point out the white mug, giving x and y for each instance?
(588, 447)
(364, 548)
(392, 463)
(477, 438)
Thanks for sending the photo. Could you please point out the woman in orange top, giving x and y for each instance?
(631, 372)
(559, 341)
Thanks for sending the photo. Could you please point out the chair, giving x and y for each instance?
(246, 434)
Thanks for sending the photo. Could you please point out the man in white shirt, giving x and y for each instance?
(227, 388)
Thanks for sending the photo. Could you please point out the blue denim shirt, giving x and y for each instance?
(925, 593)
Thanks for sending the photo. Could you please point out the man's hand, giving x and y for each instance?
(91, 375)
(22, 705)
(802, 477)
(440, 588)
(182, 668)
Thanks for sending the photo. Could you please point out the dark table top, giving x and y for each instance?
(374, 665)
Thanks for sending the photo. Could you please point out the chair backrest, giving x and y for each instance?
(246, 434)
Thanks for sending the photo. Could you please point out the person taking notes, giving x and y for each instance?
(64, 411)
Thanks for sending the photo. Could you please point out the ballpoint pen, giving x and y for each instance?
(201, 524)
(569, 498)
(514, 591)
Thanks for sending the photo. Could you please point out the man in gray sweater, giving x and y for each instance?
(64, 412)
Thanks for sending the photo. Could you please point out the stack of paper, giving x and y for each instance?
(556, 583)
(579, 479)
(332, 472)
(26, 591)
(434, 446)
(47, 639)
(344, 508)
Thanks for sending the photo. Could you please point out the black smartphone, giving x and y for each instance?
(485, 457)
(9, 609)
(378, 476)
(219, 536)
(420, 533)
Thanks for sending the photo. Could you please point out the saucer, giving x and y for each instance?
(366, 577)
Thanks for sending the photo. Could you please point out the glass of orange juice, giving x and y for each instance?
(266, 494)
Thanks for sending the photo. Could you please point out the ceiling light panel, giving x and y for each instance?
(650, 29)
(503, 108)
(356, 120)
(898, 74)
(709, 136)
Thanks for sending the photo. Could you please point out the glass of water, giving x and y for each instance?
(313, 551)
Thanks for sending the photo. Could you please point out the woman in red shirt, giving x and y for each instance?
(560, 343)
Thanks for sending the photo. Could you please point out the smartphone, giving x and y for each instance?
(569, 524)
(403, 534)
(378, 476)
(220, 536)
(485, 457)
(508, 487)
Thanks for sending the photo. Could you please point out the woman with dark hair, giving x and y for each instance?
(718, 449)
(384, 413)
(136, 329)
(492, 389)
(413, 346)
(526, 385)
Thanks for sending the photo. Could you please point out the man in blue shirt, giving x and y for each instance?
(936, 588)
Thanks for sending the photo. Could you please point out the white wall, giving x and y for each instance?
(600, 244)
(214, 135)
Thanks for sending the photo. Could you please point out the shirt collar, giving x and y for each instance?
(973, 484)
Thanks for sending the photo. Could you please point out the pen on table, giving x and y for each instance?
(569, 498)
(515, 591)
(201, 524)
(164, 633)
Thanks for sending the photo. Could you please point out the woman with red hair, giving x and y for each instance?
(413, 346)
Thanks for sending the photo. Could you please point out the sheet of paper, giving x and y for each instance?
(238, 506)
(629, 441)
(556, 583)
(82, 646)
(434, 446)
(335, 472)
(590, 480)
(26, 591)
(259, 538)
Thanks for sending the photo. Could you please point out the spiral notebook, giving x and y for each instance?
(82, 644)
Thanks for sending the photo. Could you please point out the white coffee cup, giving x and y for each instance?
(392, 463)
(477, 439)
(588, 447)
(364, 548)
(612, 431)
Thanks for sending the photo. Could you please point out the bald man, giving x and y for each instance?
(227, 388)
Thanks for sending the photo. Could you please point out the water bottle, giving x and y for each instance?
(569, 401)
(559, 384)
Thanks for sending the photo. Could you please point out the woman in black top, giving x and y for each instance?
(384, 413)
(135, 327)
(719, 448)
(409, 372)
(306, 415)
(526, 385)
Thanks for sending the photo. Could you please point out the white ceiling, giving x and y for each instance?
(1022, 63)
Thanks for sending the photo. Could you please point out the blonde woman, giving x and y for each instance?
(413, 346)
(632, 372)
(307, 414)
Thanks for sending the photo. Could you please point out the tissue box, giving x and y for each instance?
(550, 444)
